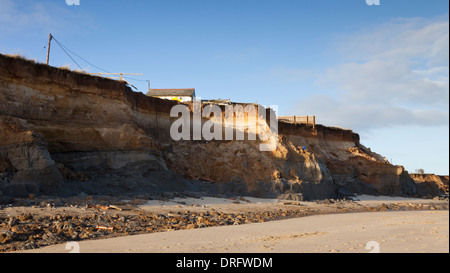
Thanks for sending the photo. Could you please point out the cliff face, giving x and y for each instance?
(57, 123)
(63, 132)
(431, 184)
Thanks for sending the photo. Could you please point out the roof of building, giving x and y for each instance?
(188, 92)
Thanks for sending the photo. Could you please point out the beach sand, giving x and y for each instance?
(387, 232)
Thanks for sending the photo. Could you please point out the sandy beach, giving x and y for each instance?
(424, 231)
(394, 232)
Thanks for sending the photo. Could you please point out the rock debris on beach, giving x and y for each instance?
(46, 225)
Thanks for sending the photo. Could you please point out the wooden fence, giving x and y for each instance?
(299, 120)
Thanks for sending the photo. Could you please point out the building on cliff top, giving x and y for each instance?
(181, 95)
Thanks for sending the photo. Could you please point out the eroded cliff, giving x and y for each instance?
(431, 184)
(63, 132)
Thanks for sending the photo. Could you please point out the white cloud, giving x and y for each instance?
(14, 18)
(388, 82)
(25, 17)
(398, 74)
(425, 39)
(362, 117)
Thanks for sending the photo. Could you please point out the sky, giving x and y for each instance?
(380, 70)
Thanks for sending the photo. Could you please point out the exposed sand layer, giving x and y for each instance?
(392, 231)
(64, 133)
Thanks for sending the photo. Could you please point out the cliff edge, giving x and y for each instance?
(63, 133)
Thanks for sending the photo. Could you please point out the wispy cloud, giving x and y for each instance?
(397, 74)
(401, 38)
(24, 17)
(28, 17)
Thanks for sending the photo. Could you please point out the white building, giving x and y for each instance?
(181, 95)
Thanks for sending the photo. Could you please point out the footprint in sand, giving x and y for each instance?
(266, 247)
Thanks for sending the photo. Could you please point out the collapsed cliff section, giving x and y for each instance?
(64, 132)
(320, 162)
(431, 184)
(25, 163)
(352, 167)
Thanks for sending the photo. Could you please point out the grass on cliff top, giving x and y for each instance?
(64, 67)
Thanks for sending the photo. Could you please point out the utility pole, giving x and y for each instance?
(48, 47)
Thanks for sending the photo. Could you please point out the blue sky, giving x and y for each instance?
(382, 71)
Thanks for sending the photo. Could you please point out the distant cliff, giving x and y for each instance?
(431, 184)
(63, 132)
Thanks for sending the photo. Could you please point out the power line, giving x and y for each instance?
(66, 50)
(67, 53)
(85, 60)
